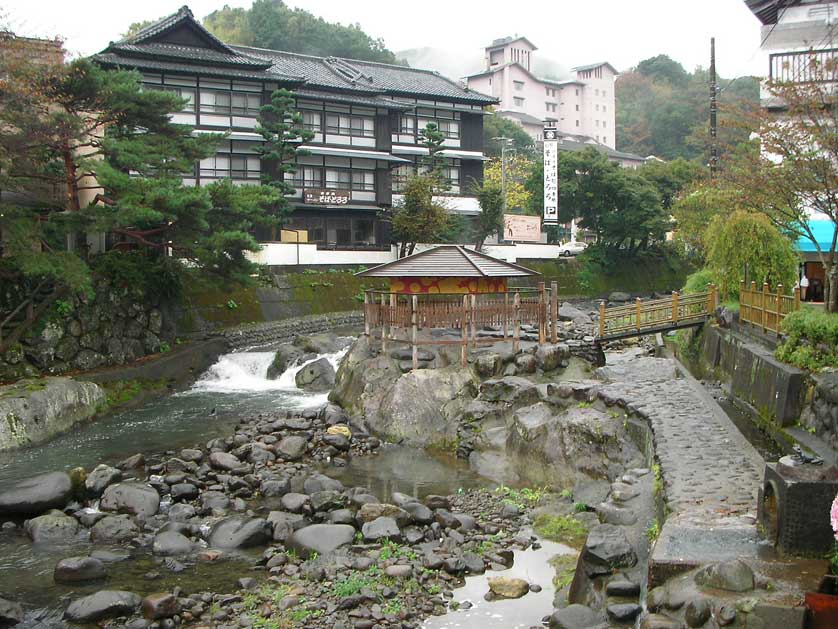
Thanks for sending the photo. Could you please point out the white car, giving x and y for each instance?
(572, 248)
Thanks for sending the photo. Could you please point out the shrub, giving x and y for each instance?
(812, 339)
(697, 282)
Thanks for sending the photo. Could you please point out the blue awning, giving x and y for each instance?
(824, 232)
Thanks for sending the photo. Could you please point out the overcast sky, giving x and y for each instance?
(570, 32)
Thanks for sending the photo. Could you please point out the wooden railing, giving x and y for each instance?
(764, 309)
(505, 312)
(658, 315)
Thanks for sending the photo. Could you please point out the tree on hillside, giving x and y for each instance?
(490, 219)
(495, 126)
(663, 68)
(670, 178)
(273, 24)
(518, 170)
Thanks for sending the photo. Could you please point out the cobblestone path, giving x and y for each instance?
(711, 472)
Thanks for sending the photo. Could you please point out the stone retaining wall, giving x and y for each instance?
(275, 332)
(821, 415)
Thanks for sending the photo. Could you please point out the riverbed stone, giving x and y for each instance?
(171, 543)
(550, 357)
(11, 613)
(37, 494)
(160, 605)
(79, 570)
(54, 527)
(508, 587)
(286, 355)
(419, 512)
(292, 448)
(733, 576)
(136, 498)
(240, 532)
(623, 612)
(320, 538)
(294, 502)
(381, 528)
(372, 511)
(100, 478)
(114, 529)
(275, 487)
(225, 461)
(622, 587)
(607, 548)
(284, 524)
(575, 616)
(697, 611)
(103, 605)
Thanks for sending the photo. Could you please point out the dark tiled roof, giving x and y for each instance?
(352, 99)
(192, 53)
(155, 65)
(574, 147)
(768, 10)
(167, 23)
(448, 261)
(520, 116)
(372, 78)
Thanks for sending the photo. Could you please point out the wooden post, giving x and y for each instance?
(414, 331)
(384, 321)
(602, 319)
(473, 320)
(542, 315)
(637, 310)
(516, 329)
(779, 316)
(711, 298)
(797, 298)
(505, 315)
(394, 304)
(764, 306)
(675, 299)
(753, 299)
(366, 313)
(464, 326)
(554, 312)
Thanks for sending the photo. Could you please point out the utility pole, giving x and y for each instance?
(714, 150)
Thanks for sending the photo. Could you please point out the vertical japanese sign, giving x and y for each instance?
(551, 176)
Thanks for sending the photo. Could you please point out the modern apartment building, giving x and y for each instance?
(365, 118)
(581, 106)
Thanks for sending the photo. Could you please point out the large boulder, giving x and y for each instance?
(160, 605)
(136, 498)
(381, 529)
(284, 524)
(100, 479)
(550, 357)
(286, 355)
(508, 587)
(52, 527)
(102, 605)
(318, 375)
(240, 532)
(79, 570)
(36, 494)
(733, 576)
(292, 448)
(320, 538)
(607, 548)
(575, 617)
(171, 543)
(34, 411)
(323, 343)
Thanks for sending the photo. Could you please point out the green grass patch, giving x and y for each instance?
(565, 566)
(522, 498)
(654, 530)
(812, 339)
(121, 392)
(561, 528)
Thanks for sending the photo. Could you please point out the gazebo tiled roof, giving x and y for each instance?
(448, 261)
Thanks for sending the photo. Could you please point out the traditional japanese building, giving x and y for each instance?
(365, 117)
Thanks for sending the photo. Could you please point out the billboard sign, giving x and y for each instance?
(319, 196)
(551, 176)
(521, 228)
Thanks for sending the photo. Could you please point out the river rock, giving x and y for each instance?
(619, 296)
(102, 605)
(171, 543)
(575, 617)
(550, 357)
(184, 491)
(318, 375)
(137, 498)
(733, 576)
(372, 511)
(284, 524)
(240, 532)
(607, 548)
(10, 613)
(225, 461)
(698, 611)
(100, 478)
(623, 612)
(419, 512)
(275, 487)
(488, 364)
(286, 355)
(320, 538)
(320, 482)
(380, 529)
(508, 587)
(526, 363)
(37, 494)
(569, 312)
(292, 448)
(114, 529)
(160, 605)
(52, 527)
(79, 570)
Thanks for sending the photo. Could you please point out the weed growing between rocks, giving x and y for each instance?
(561, 528)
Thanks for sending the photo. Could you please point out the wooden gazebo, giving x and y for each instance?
(451, 287)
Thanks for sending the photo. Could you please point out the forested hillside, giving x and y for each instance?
(273, 24)
(664, 110)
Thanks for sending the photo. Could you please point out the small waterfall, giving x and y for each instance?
(247, 372)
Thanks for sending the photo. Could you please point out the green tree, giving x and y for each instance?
(272, 24)
(671, 178)
(418, 218)
(496, 126)
(490, 219)
(663, 68)
(744, 240)
(518, 170)
(432, 165)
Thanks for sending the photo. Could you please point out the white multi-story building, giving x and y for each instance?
(582, 106)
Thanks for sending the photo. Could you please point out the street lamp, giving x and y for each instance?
(506, 141)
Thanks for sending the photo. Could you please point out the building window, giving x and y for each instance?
(519, 86)
(577, 123)
(596, 107)
(451, 128)
(407, 124)
(551, 106)
(577, 92)
(312, 121)
(363, 180)
(401, 174)
(337, 179)
(307, 177)
(603, 124)
(350, 125)
(596, 122)
(603, 108)
(603, 93)
(519, 102)
(226, 166)
(596, 92)
(227, 103)
(577, 107)
(451, 174)
(186, 93)
(363, 231)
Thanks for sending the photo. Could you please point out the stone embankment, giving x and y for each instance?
(33, 411)
(261, 334)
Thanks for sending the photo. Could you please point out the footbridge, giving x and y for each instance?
(658, 315)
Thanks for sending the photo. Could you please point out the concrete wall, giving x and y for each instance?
(775, 389)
